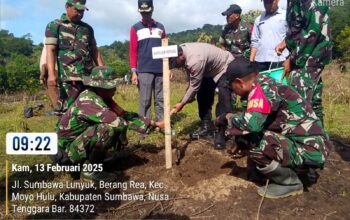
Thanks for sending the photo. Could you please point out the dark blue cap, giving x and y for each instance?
(239, 68)
(145, 5)
(233, 9)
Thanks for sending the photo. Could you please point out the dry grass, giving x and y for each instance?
(337, 86)
(336, 101)
(336, 104)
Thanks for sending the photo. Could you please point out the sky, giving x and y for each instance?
(112, 19)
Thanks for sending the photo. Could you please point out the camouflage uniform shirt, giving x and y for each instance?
(74, 43)
(88, 109)
(273, 107)
(308, 37)
(237, 41)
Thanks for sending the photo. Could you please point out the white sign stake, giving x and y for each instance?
(164, 52)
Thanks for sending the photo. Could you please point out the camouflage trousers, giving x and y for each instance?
(97, 138)
(263, 148)
(68, 93)
(308, 83)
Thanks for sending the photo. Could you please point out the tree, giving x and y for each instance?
(21, 74)
(251, 15)
(343, 44)
(116, 51)
(10, 44)
(18, 63)
(193, 35)
(205, 38)
(121, 67)
(121, 49)
(339, 19)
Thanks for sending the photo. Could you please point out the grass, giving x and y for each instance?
(336, 102)
(182, 122)
(12, 120)
(336, 108)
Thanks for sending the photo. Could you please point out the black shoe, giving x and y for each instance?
(206, 130)
(219, 141)
(308, 176)
(253, 174)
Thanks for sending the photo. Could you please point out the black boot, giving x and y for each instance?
(61, 157)
(285, 182)
(219, 141)
(253, 173)
(206, 130)
(308, 176)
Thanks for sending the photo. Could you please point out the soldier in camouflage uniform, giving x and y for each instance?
(308, 40)
(71, 44)
(235, 36)
(279, 129)
(94, 123)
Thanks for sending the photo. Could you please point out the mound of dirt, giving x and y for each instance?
(205, 183)
(209, 184)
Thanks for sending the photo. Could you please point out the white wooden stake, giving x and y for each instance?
(164, 52)
(166, 95)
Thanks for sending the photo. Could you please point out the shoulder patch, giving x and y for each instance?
(257, 101)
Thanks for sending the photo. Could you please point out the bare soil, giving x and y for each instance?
(209, 184)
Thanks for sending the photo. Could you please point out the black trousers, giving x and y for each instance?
(263, 66)
(205, 97)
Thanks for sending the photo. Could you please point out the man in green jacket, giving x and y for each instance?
(279, 131)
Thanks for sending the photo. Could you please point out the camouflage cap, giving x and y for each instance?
(78, 4)
(102, 77)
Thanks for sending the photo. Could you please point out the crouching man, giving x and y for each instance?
(279, 130)
(95, 123)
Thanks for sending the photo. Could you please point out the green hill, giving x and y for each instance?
(194, 34)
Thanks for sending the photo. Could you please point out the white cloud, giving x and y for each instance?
(112, 19)
(174, 14)
(114, 16)
(8, 12)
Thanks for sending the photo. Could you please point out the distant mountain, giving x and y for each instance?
(193, 35)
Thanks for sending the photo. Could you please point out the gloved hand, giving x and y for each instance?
(221, 120)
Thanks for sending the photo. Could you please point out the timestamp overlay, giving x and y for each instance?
(31, 143)
(30, 191)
